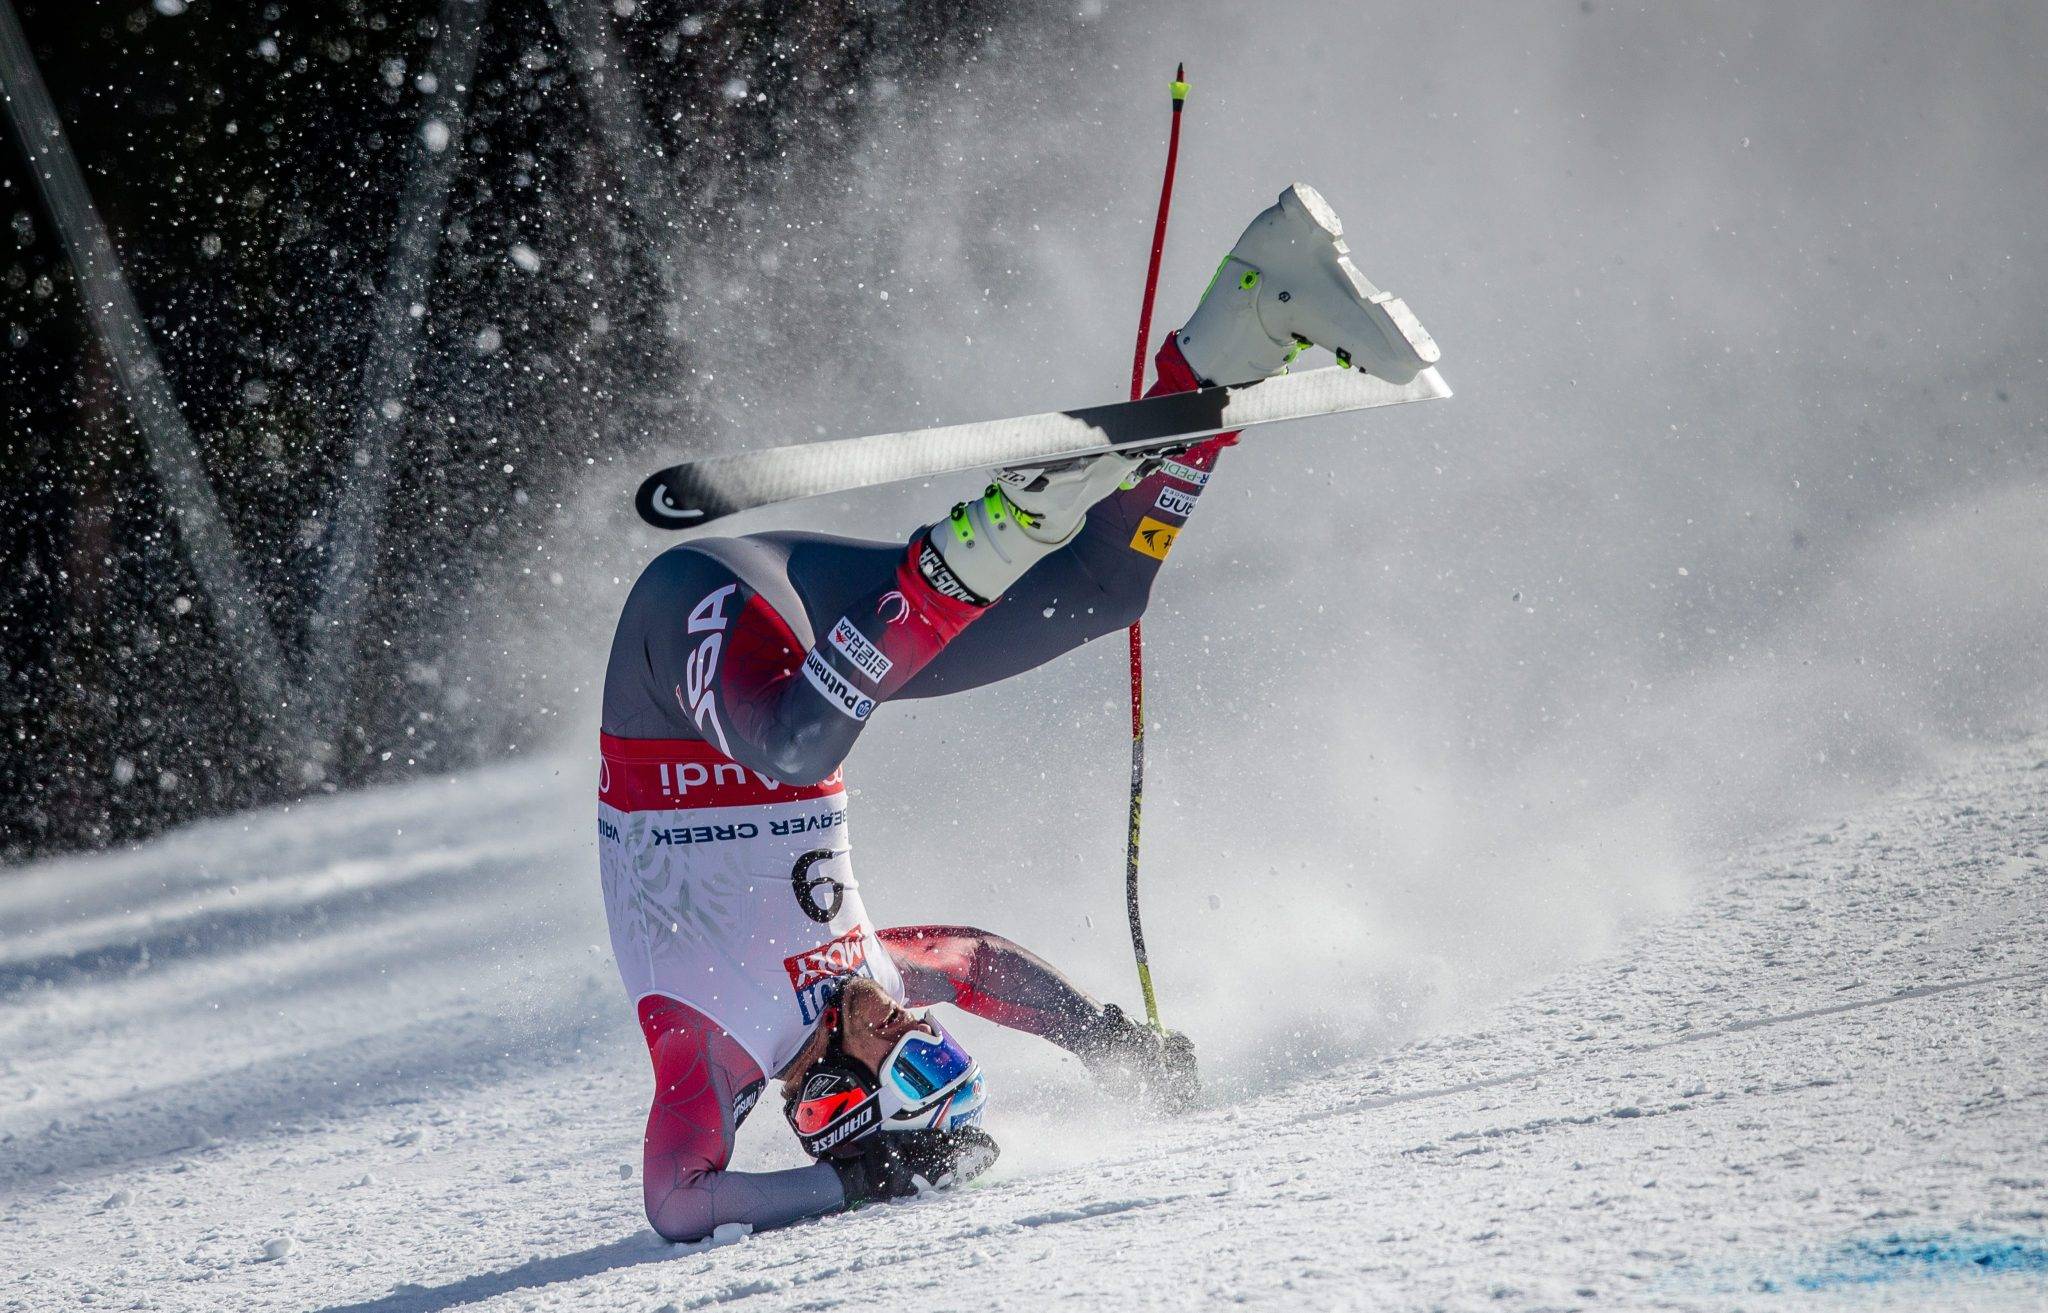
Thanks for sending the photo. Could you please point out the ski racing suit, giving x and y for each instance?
(741, 674)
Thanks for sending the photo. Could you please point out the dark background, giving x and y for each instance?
(247, 159)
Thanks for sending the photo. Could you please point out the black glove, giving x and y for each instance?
(904, 1164)
(1133, 1059)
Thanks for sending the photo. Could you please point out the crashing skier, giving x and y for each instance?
(743, 670)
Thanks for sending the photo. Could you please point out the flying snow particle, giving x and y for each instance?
(427, 83)
(1215, 903)
(394, 72)
(267, 48)
(281, 1247)
(525, 257)
(734, 89)
(391, 408)
(625, 1171)
(181, 605)
(434, 133)
(169, 8)
(124, 770)
(489, 340)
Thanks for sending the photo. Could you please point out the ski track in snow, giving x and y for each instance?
(369, 1054)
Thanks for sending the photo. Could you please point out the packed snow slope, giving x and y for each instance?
(365, 1054)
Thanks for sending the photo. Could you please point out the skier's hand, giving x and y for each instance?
(905, 1164)
(1132, 1060)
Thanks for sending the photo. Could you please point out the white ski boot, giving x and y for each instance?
(1288, 283)
(1027, 514)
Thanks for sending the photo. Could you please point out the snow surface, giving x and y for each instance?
(367, 1054)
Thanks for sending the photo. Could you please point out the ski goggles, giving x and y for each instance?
(929, 1080)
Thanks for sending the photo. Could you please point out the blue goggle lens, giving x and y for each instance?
(925, 1065)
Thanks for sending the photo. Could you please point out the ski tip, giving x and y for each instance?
(659, 509)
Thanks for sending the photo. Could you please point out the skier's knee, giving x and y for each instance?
(1117, 604)
(808, 756)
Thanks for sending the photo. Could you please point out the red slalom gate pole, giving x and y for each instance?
(1180, 99)
(1180, 96)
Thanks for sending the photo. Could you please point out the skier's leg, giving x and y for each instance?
(701, 1077)
(701, 653)
(1099, 583)
(1288, 283)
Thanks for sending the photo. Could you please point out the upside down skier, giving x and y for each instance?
(742, 672)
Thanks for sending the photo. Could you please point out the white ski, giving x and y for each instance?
(697, 492)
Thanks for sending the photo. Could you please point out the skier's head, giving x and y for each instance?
(872, 1065)
(871, 1023)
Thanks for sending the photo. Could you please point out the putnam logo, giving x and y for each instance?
(817, 974)
(847, 700)
(1154, 538)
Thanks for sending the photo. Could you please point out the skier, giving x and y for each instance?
(741, 674)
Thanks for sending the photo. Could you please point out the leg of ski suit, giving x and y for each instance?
(1097, 584)
(778, 647)
(705, 1084)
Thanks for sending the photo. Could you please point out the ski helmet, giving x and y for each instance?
(928, 1082)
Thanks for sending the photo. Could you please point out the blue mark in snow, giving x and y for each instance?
(1895, 1257)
